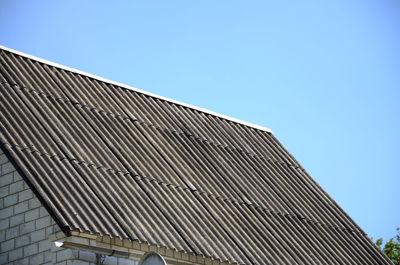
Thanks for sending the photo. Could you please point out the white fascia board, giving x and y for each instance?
(255, 126)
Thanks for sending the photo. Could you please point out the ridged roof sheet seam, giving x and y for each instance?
(34, 149)
(255, 126)
(311, 221)
(137, 176)
(151, 179)
(203, 193)
(126, 117)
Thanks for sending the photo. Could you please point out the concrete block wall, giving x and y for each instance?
(25, 227)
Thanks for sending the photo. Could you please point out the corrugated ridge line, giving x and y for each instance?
(136, 89)
(188, 192)
(187, 164)
(166, 184)
(221, 168)
(35, 150)
(85, 211)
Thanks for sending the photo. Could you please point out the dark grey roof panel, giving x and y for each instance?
(109, 160)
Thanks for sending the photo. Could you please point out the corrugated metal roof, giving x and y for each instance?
(110, 160)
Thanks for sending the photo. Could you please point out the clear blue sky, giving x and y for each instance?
(323, 75)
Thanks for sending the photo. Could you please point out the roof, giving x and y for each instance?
(111, 160)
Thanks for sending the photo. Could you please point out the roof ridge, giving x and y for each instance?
(70, 69)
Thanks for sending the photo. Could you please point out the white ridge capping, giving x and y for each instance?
(255, 126)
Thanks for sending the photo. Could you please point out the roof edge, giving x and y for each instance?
(255, 126)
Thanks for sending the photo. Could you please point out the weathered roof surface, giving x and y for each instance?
(110, 160)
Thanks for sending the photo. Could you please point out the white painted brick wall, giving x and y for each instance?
(25, 226)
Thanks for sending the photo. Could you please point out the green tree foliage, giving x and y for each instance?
(391, 248)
